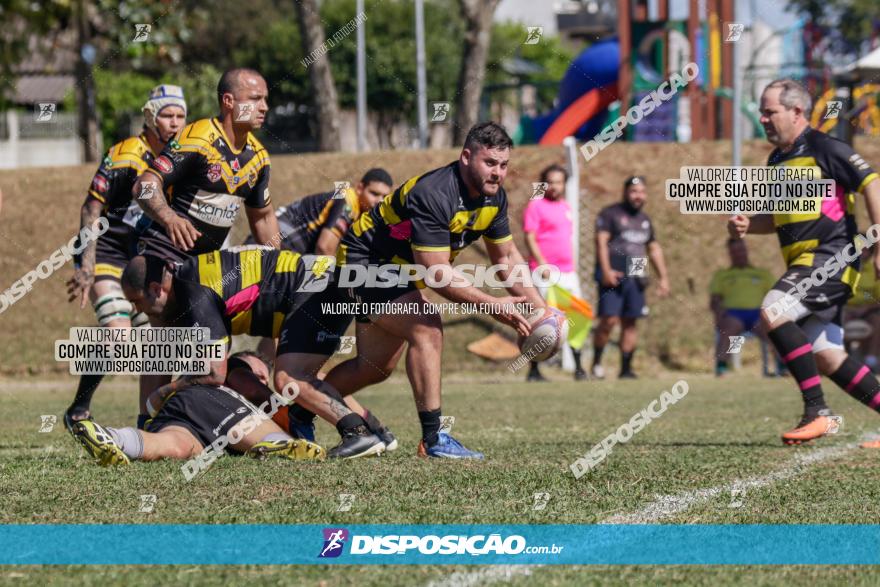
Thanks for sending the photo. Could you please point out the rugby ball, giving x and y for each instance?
(549, 333)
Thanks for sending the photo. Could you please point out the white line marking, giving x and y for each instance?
(663, 506)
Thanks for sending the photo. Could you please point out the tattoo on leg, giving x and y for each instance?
(339, 409)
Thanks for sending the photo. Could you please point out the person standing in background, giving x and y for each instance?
(547, 223)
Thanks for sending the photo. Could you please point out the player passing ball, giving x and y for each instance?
(803, 312)
(428, 221)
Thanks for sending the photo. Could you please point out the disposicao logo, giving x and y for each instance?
(334, 541)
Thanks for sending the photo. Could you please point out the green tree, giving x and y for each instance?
(549, 54)
(856, 20)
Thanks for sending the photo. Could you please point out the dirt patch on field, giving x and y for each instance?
(41, 211)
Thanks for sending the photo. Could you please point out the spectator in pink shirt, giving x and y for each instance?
(548, 227)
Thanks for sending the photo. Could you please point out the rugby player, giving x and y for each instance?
(195, 417)
(806, 330)
(214, 166)
(252, 291)
(429, 220)
(315, 224)
(99, 267)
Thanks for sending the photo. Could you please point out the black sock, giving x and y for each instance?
(626, 361)
(372, 421)
(533, 367)
(142, 421)
(348, 422)
(577, 359)
(856, 379)
(795, 349)
(597, 355)
(430, 426)
(85, 390)
(300, 414)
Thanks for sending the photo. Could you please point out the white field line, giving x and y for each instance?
(663, 506)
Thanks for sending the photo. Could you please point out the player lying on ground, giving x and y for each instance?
(315, 224)
(194, 418)
(253, 291)
(807, 332)
(428, 221)
(97, 275)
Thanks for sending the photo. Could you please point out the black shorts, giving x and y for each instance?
(824, 301)
(627, 300)
(113, 250)
(317, 326)
(371, 297)
(208, 412)
(156, 244)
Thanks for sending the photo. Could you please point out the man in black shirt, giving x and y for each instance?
(624, 244)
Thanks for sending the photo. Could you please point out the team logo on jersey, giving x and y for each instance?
(163, 164)
(99, 184)
(235, 165)
(252, 178)
(108, 161)
(215, 209)
(214, 172)
(174, 144)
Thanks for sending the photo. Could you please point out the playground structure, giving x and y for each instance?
(618, 70)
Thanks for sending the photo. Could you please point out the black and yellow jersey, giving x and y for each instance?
(808, 240)
(116, 175)
(206, 180)
(301, 222)
(430, 212)
(248, 290)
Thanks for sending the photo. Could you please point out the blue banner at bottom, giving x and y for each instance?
(440, 544)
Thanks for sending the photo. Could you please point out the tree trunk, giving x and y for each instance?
(478, 33)
(320, 74)
(87, 111)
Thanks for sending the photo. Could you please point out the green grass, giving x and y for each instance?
(721, 431)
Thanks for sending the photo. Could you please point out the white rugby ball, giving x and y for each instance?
(549, 333)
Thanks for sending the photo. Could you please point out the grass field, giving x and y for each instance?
(722, 436)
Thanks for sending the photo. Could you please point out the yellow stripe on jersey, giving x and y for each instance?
(277, 320)
(251, 267)
(799, 253)
(287, 262)
(341, 253)
(498, 241)
(211, 271)
(866, 181)
(851, 277)
(365, 223)
(783, 219)
(429, 249)
(97, 196)
(130, 153)
(352, 199)
(322, 217)
(241, 322)
(481, 219)
(104, 269)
